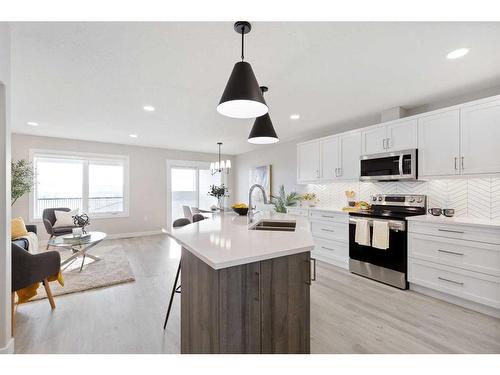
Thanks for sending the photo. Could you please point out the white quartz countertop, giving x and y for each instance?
(457, 220)
(224, 240)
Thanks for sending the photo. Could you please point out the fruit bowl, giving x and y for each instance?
(241, 210)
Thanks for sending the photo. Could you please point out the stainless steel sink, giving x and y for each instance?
(275, 225)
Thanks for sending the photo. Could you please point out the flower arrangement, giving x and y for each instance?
(309, 198)
(219, 192)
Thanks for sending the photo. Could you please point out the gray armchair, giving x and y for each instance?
(49, 218)
(28, 269)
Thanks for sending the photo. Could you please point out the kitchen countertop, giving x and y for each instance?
(457, 220)
(224, 240)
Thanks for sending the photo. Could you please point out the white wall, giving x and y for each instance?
(6, 342)
(147, 173)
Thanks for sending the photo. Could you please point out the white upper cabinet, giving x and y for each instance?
(374, 140)
(480, 138)
(308, 161)
(350, 152)
(401, 135)
(438, 144)
(329, 149)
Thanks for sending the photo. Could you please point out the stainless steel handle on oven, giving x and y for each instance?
(449, 252)
(449, 230)
(450, 281)
(393, 224)
(400, 164)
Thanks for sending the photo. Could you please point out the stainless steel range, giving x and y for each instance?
(390, 265)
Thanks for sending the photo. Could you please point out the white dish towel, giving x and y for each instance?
(362, 235)
(380, 238)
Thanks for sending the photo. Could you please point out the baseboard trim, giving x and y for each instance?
(133, 234)
(43, 243)
(491, 311)
(9, 348)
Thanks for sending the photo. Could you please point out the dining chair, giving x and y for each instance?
(187, 213)
(176, 289)
(198, 217)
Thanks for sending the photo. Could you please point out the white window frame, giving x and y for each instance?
(87, 157)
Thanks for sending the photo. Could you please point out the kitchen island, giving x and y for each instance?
(245, 287)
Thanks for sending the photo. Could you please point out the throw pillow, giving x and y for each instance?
(65, 219)
(18, 228)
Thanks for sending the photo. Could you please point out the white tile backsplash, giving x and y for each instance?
(477, 197)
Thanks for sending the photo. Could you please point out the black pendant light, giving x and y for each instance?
(263, 130)
(242, 97)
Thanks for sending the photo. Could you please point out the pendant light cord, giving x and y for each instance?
(243, 43)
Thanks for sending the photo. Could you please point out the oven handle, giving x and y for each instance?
(396, 225)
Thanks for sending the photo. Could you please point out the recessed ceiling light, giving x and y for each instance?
(32, 123)
(295, 116)
(149, 108)
(132, 135)
(456, 54)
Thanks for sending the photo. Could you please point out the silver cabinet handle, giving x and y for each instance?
(449, 252)
(335, 173)
(327, 230)
(451, 281)
(340, 171)
(449, 230)
(327, 248)
(314, 269)
(388, 143)
(383, 143)
(317, 173)
(330, 217)
(456, 163)
(462, 158)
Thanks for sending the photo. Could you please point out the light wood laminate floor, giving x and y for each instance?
(349, 314)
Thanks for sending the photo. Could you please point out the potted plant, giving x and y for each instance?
(219, 192)
(283, 200)
(22, 179)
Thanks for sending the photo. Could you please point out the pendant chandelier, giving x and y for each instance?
(242, 97)
(263, 130)
(220, 165)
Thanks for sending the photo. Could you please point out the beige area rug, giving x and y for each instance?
(113, 268)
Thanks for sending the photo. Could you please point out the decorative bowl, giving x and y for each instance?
(241, 210)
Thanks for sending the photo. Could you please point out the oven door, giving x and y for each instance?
(401, 165)
(388, 266)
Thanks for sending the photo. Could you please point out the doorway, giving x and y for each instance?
(188, 183)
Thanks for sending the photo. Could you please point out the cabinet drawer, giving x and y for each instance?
(470, 255)
(330, 230)
(458, 231)
(337, 251)
(473, 286)
(329, 216)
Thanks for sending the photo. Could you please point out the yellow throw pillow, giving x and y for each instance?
(18, 228)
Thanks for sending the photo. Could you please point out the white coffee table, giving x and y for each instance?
(79, 248)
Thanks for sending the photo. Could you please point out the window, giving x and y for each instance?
(95, 184)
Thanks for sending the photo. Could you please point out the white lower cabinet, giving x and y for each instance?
(330, 232)
(461, 261)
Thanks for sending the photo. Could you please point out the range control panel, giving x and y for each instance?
(405, 200)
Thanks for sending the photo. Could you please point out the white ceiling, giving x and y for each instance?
(90, 80)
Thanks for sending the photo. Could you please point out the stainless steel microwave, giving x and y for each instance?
(397, 165)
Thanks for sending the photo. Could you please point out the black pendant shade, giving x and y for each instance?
(242, 97)
(263, 130)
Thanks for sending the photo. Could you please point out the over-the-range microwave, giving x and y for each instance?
(397, 165)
